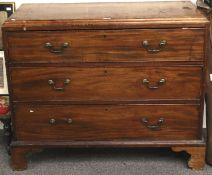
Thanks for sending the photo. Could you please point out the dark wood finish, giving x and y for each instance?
(98, 11)
(20, 150)
(109, 144)
(197, 159)
(19, 159)
(106, 122)
(106, 15)
(107, 46)
(106, 84)
(14, 25)
(107, 64)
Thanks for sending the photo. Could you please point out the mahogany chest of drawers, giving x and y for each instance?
(106, 75)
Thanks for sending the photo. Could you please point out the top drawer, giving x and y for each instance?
(106, 45)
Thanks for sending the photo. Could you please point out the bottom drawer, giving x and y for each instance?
(106, 122)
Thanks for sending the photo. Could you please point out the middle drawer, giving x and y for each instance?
(105, 84)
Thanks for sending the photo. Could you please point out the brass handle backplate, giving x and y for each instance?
(53, 84)
(53, 50)
(161, 82)
(153, 127)
(69, 121)
(149, 48)
(52, 121)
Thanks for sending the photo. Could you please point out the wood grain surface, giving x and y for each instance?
(107, 46)
(106, 84)
(105, 16)
(197, 156)
(145, 10)
(106, 122)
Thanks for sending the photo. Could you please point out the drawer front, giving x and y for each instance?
(105, 84)
(107, 46)
(107, 122)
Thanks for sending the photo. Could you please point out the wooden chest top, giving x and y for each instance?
(104, 15)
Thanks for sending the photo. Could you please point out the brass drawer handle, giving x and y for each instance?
(52, 121)
(148, 48)
(53, 50)
(53, 85)
(161, 82)
(153, 127)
